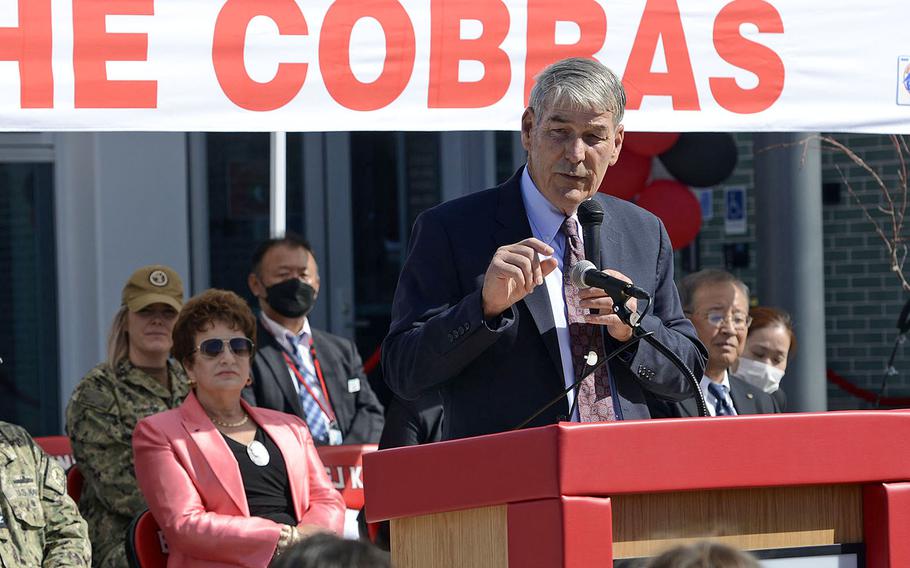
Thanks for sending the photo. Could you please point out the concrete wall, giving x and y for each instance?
(121, 204)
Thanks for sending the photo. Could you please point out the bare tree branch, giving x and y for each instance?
(893, 200)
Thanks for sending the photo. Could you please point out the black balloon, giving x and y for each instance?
(701, 159)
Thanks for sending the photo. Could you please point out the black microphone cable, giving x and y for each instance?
(637, 335)
(903, 326)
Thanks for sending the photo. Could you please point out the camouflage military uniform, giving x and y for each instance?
(39, 524)
(100, 417)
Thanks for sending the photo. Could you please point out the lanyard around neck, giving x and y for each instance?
(325, 392)
(293, 366)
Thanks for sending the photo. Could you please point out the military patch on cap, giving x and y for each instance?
(158, 278)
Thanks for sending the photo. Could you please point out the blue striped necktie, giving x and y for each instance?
(312, 413)
(721, 407)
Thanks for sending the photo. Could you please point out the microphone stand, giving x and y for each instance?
(633, 320)
(587, 370)
(903, 326)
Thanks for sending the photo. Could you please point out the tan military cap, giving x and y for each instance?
(153, 285)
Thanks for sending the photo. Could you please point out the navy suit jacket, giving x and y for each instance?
(491, 380)
(359, 413)
(747, 399)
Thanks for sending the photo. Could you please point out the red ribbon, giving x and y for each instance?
(864, 394)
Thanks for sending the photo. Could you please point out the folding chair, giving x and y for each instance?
(145, 544)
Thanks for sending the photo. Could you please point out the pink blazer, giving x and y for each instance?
(192, 485)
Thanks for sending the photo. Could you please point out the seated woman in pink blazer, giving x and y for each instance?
(230, 484)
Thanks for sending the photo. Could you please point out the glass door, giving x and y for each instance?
(29, 386)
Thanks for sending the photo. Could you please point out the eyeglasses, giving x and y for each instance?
(240, 346)
(739, 320)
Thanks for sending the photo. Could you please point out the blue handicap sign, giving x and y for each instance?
(736, 204)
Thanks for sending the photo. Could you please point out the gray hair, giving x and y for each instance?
(580, 83)
(690, 284)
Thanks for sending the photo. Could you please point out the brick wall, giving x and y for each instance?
(862, 296)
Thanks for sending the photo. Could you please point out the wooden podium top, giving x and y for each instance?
(644, 456)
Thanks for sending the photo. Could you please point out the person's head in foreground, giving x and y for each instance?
(330, 551)
(704, 554)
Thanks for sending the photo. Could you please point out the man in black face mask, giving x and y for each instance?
(313, 374)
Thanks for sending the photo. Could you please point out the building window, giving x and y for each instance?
(238, 202)
(29, 391)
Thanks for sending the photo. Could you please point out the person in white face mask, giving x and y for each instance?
(769, 344)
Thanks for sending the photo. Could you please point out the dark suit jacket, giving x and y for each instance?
(747, 399)
(412, 422)
(493, 379)
(359, 414)
(780, 398)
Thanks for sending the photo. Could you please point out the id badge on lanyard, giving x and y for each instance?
(335, 437)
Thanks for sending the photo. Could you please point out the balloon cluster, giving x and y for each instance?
(694, 159)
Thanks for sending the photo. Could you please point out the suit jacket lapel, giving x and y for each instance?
(215, 451)
(291, 451)
(514, 227)
(271, 353)
(688, 407)
(743, 403)
(611, 241)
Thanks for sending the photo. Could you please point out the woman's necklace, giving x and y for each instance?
(241, 422)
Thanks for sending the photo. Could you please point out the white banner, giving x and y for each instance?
(316, 65)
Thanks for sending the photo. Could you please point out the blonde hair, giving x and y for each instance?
(118, 340)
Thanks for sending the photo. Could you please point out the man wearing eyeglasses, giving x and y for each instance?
(717, 304)
(299, 370)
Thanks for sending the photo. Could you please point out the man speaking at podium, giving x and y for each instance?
(485, 310)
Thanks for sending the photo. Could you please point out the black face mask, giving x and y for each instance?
(292, 298)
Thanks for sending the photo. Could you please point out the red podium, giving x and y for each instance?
(582, 495)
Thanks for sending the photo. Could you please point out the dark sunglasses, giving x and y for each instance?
(240, 346)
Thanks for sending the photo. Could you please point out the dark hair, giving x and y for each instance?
(765, 316)
(291, 240)
(690, 284)
(328, 551)
(202, 311)
(704, 555)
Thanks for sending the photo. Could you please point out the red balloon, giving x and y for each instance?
(676, 206)
(627, 176)
(649, 143)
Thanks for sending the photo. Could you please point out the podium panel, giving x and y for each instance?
(581, 495)
(476, 537)
(749, 519)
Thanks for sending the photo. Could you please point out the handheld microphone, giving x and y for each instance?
(591, 216)
(585, 275)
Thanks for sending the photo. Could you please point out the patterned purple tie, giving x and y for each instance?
(594, 401)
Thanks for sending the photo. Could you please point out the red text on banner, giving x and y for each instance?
(739, 51)
(335, 56)
(542, 48)
(93, 47)
(227, 54)
(31, 44)
(448, 49)
(661, 22)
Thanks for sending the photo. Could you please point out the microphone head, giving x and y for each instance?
(590, 212)
(578, 273)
